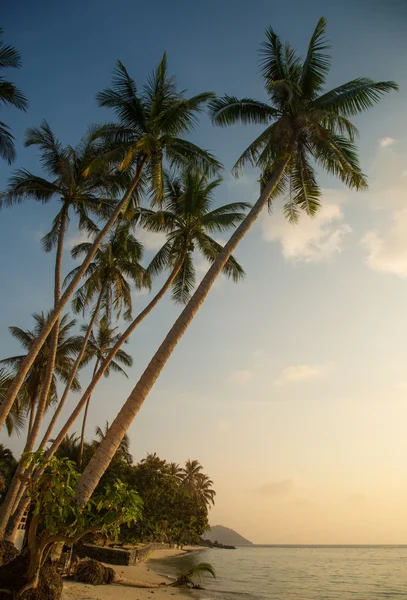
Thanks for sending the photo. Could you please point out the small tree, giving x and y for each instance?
(57, 518)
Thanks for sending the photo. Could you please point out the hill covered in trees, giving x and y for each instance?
(226, 536)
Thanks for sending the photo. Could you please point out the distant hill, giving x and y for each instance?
(224, 535)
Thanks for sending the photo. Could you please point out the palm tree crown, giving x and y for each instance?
(152, 123)
(9, 94)
(114, 263)
(304, 125)
(67, 349)
(188, 217)
(100, 344)
(123, 451)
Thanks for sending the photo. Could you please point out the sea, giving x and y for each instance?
(298, 572)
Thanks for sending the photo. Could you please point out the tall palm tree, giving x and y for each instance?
(114, 263)
(67, 348)
(188, 217)
(175, 471)
(70, 447)
(151, 127)
(9, 94)
(99, 346)
(302, 125)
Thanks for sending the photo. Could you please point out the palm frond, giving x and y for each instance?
(229, 110)
(355, 96)
(317, 62)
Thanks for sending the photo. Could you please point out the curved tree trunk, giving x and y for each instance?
(35, 348)
(15, 486)
(107, 448)
(23, 501)
(85, 416)
(76, 366)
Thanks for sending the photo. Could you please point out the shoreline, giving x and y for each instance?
(143, 571)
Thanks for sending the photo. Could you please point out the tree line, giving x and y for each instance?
(139, 171)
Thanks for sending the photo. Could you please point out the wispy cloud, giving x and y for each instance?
(311, 240)
(276, 488)
(386, 142)
(387, 250)
(240, 376)
(302, 373)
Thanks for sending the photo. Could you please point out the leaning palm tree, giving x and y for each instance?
(303, 126)
(9, 94)
(107, 282)
(99, 347)
(67, 349)
(151, 127)
(188, 217)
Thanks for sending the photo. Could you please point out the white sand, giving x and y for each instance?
(140, 572)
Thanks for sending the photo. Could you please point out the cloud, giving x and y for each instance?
(386, 142)
(79, 238)
(387, 251)
(312, 240)
(276, 488)
(301, 373)
(151, 240)
(240, 376)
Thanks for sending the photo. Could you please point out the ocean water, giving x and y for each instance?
(300, 572)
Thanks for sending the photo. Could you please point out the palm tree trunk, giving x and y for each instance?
(76, 366)
(23, 501)
(105, 364)
(31, 420)
(37, 345)
(85, 416)
(15, 486)
(107, 448)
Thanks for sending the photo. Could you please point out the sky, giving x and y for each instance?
(291, 387)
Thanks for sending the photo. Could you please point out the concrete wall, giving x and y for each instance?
(116, 556)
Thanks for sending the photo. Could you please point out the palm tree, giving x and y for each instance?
(151, 126)
(70, 447)
(302, 125)
(67, 348)
(188, 218)
(186, 215)
(99, 346)
(16, 418)
(175, 471)
(190, 472)
(114, 263)
(9, 94)
(204, 492)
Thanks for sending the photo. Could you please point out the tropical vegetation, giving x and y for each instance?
(139, 173)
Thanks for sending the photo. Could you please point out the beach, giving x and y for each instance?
(141, 572)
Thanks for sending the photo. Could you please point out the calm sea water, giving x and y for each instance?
(300, 573)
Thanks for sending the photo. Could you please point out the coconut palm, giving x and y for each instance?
(175, 471)
(98, 347)
(190, 472)
(187, 578)
(204, 492)
(115, 262)
(67, 349)
(16, 419)
(70, 447)
(151, 126)
(187, 216)
(9, 94)
(302, 125)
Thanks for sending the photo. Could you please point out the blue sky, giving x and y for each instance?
(290, 387)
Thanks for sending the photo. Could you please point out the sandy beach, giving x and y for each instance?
(140, 572)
